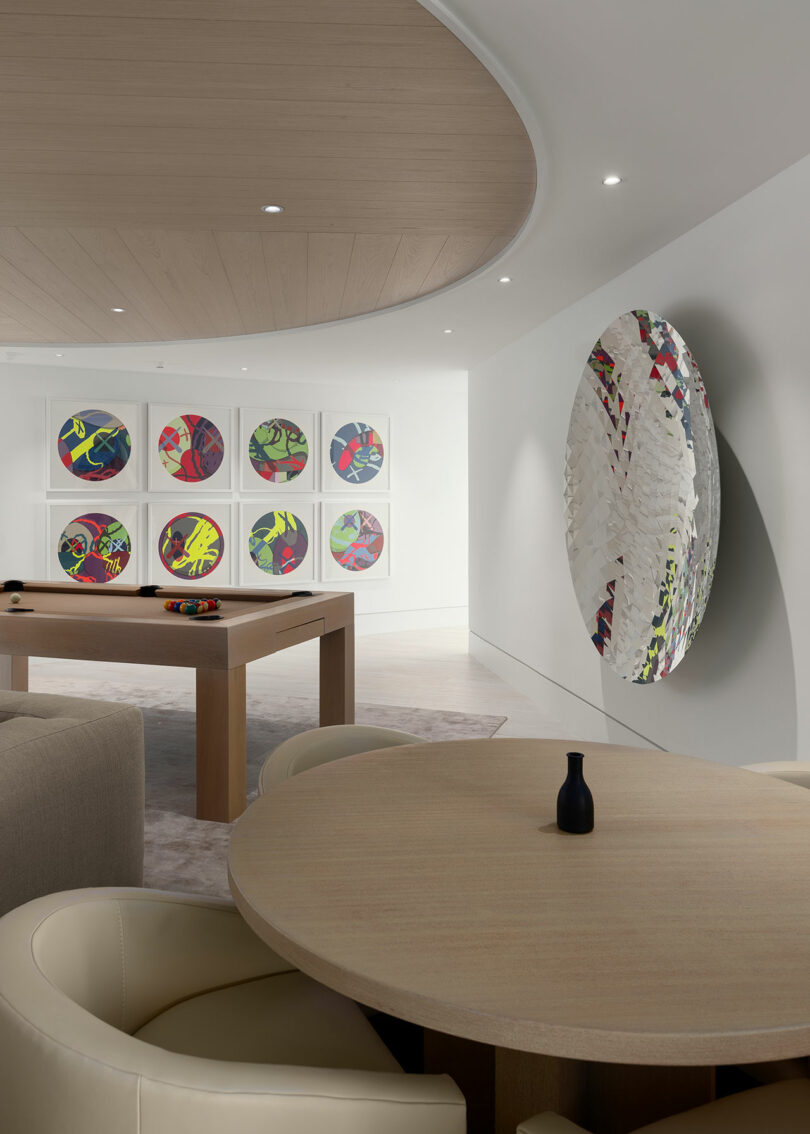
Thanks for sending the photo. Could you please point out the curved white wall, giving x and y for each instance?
(737, 287)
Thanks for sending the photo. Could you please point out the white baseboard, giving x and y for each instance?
(578, 717)
(392, 620)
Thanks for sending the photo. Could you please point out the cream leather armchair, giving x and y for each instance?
(783, 1108)
(127, 1011)
(320, 745)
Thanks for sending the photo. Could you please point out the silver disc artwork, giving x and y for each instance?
(642, 496)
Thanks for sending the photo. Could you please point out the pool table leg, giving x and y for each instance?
(14, 672)
(221, 744)
(337, 677)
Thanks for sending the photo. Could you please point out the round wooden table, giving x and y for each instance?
(431, 882)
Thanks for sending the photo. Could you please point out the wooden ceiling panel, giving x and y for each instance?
(505, 150)
(328, 45)
(286, 262)
(139, 138)
(243, 259)
(372, 257)
(415, 256)
(107, 112)
(127, 79)
(354, 12)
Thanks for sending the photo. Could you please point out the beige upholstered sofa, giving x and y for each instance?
(146, 1012)
(71, 795)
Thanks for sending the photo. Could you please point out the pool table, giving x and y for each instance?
(118, 623)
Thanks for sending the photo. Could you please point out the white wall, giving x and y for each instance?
(428, 497)
(738, 289)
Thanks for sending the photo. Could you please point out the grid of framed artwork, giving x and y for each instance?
(185, 491)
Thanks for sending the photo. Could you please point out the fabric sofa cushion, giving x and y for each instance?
(284, 1018)
(71, 795)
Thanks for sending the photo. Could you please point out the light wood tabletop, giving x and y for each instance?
(119, 623)
(431, 882)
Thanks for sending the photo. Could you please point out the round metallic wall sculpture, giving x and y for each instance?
(642, 495)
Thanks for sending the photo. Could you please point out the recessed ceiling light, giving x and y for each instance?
(448, 330)
(243, 368)
(118, 310)
(272, 208)
(505, 279)
(612, 179)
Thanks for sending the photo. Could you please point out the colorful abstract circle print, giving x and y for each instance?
(94, 445)
(356, 540)
(278, 450)
(191, 545)
(191, 448)
(94, 548)
(278, 543)
(356, 452)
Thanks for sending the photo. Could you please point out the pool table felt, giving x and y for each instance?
(102, 623)
(114, 603)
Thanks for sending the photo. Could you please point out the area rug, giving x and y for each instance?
(185, 853)
(189, 854)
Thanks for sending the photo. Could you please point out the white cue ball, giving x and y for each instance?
(14, 597)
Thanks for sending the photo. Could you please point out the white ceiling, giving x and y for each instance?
(694, 102)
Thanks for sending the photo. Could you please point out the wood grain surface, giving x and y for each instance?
(431, 882)
(138, 141)
(113, 623)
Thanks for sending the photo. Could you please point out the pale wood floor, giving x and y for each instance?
(426, 669)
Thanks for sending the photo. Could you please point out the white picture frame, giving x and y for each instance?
(90, 571)
(331, 568)
(250, 573)
(89, 443)
(355, 479)
(193, 569)
(164, 453)
(250, 478)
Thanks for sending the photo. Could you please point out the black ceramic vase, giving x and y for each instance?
(575, 802)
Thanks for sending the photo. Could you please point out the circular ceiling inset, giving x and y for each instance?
(132, 206)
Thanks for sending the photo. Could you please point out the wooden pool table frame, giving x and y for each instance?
(220, 651)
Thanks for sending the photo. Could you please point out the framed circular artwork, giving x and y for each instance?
(191, 545)
(278, 450)
(94, 547)
(356, 540)
(94, 445)
(642, 496)
(357, 453)
(95, 448)
(191, 448)
(278, 542)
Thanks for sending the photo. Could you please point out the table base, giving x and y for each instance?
(503, 1087)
